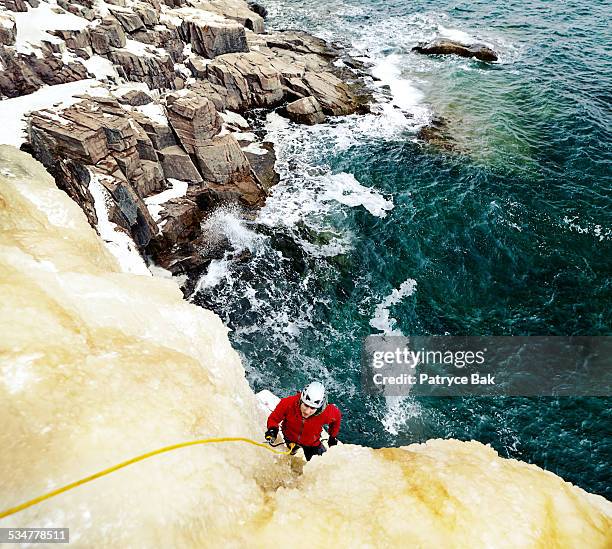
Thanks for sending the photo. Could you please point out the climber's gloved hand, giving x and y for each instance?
(332, 441)
(271, 434)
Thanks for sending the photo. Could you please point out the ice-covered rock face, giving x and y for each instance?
(97, 366)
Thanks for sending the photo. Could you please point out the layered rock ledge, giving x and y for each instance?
(164, 143)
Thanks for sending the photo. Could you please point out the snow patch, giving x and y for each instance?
(117, 242)
(155, 203)
(142, 49)
(101, 67)
(155, 112)
(233, 118)
(13, 111)
(32, 26)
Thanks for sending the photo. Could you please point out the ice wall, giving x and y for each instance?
(97, 366)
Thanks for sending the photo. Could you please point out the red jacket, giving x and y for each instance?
(305, 432)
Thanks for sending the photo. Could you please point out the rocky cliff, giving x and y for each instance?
(98, 365)
(174, 78)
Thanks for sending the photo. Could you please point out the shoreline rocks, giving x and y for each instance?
(305, 111)
(194, 68)
(452, 47)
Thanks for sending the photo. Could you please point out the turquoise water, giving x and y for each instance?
(371, 231)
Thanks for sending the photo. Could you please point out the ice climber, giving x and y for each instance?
(301, 418)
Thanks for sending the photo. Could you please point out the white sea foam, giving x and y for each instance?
(229, 222)
(217, 271)
(382, 319)
(457, 35)
(344, 188)
(598, 231)
(398, 410)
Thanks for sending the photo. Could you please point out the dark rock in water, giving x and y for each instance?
(263, 166)
(305, 111)
(436, 133)
(451, 47)
(258, 9)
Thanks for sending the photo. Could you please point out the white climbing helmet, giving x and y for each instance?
(314, 395)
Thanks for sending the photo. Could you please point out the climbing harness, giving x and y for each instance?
(136, 459)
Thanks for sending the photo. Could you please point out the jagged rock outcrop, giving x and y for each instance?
(305, 111)
(157, 71)
(304, 65)
(452, 47)
(222, 161)
(77, 40)
(130, 20)
(258, 9)
(248, 78)
(178, 248)
(164, 38)
(15, 5)
(210, 34)
(177, 164)
(23, 74)
(108, 34)
(136, 98)
(194, 118)
(239, 11)
(262, 163)
(149, 137)
(94, 137)
(149, 13)
(8, 29)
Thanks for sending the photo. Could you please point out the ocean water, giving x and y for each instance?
(505, 231)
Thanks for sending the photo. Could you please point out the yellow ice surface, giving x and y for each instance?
(98, 366)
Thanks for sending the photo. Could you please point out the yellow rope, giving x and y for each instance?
(123, 464)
